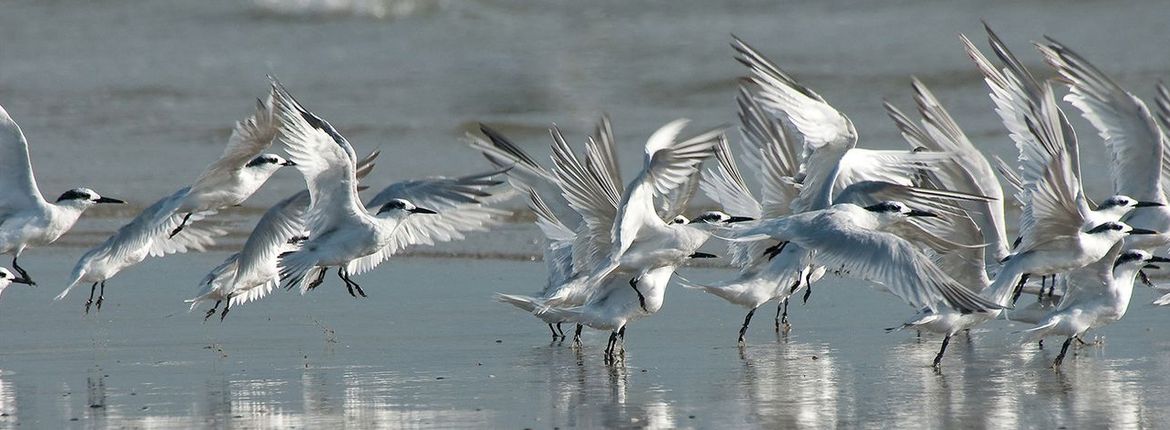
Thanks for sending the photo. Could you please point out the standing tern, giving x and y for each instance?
(26, 219)
(241, 170)
(1096, 295)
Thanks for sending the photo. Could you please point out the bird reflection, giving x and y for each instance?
(790, 385)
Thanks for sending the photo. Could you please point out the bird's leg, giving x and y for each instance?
(774, 250)
(553, 330)
(1081, 341)
(807, 286)
(609, 347)
(226, 308)
(938, 358)
(23, 274)
(92, 288)
(746, 321)
(1019, 288)
(577, 335)
(101, 296)
(622, 335)
(1040, 344)
(211, 311)
(562, 332)
(320, 278)
(348, 286)
(641, 298)
(181, 225)
(1063, 349)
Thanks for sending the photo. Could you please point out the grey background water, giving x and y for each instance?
(133, 98)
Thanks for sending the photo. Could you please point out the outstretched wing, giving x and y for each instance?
(461, 206)
(18, 187)
(1121, 119)
(324, 157)
(249, 138)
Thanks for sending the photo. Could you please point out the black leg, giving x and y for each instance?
(746, 321)
(1142, 273)
(641, 298)
(1063, 350)
(348, 286)
(553, 330)
(577, 335)
(88, 302)
(1019, 288)
(609, 347)
(20, 270)
(562, 332)
(775, 250)
(320, 278)
(226, 308)
(101, 296)
(807, 285)
(779, 307)
(1081, 341)
(211, 311)
(938, 358)
(181, 224)
(1040, 344)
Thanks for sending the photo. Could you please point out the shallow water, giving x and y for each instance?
(429, 349)
(132, 98)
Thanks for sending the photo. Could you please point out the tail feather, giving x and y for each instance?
(1162, 301)
(293, 267)
(1039, 332)
(76, 278)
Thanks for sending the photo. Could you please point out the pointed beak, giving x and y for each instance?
(1157, 259)
(24, 281)
(1142, 231)
(922, 213)
(703, 255)
(1152, 266)
(1147, 204)
(288, 163)
(108, 200)
(422, 211)
(740, 219)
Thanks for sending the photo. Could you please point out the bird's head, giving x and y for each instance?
(268, 163)
(84, 197)
(1137, 259)
(6, 277)
(1117, 229)
(1122, 204)
(718, 217)
(893, 210)
(402, 207)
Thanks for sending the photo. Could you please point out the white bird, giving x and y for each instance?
(569, 241)
(241, 170)
(143, 236)
(26, 219)
(253, 272)
(1096, 295)
(342, 233)
(611, 310)
(7, 278)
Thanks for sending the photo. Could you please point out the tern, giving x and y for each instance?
(1096, 295)
(240, 171)
(26, 219)
(145, 235)
(342, 232)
